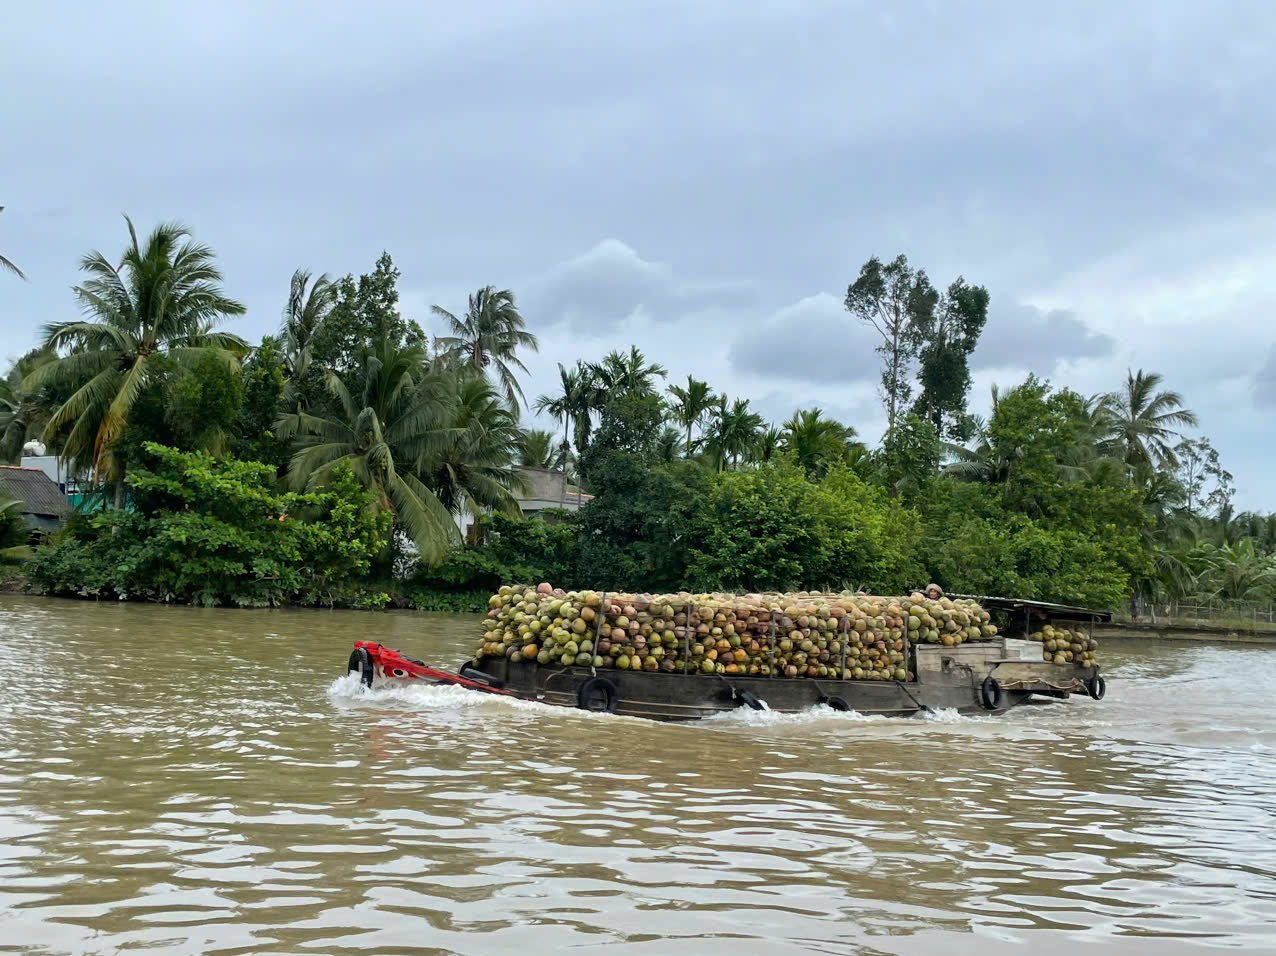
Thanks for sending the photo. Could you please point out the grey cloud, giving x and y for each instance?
(611, 282)
(1025, 337)
(811, 340)
(1265, 382)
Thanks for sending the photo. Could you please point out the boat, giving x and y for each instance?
(978, 677)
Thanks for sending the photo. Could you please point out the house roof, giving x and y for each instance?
(38, 493)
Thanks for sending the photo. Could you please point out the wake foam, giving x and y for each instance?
(351, 694)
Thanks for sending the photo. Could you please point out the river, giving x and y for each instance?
(204, 781)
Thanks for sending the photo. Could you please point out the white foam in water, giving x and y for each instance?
(349, 691)
(746, 716)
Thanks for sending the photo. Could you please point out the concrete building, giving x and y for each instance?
(546, 490)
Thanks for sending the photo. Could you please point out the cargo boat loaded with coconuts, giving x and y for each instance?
(684, 656)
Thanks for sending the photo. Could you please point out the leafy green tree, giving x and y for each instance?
(896, 301)
(213, 531)
(160, 305)
(690, 405)
(1206, 483)
(1028, 444)
(1142, 420)
(770, 528)
(13, 533)
(204, 398)
(364, 315)
(816, 443)
(628, 433)
(263, 403)
(396, 419)
(489, 337)
(636, 531)
(909, 457)
(947, 336)
(8, 265)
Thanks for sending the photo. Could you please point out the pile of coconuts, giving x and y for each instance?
(802, 634)
(1061, 645)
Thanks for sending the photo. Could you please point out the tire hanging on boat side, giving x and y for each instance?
(597, 695)
(360, 661)
(1096, 686)
(990, 693)
(838, 704)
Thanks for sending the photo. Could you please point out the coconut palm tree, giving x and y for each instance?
(625, 372)
(571, 404)
(9, 266)
(489, 336)
(690, 405)
(668, 444)
(770, 442)
(1141, 420)
(308, 305)
(537, 449)
(396, 419)
(817, 442)
(471, 468)
(733, 431)
(13, 534)
(159, 305)
(1238, 572)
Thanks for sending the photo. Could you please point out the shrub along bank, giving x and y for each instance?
(213, 531)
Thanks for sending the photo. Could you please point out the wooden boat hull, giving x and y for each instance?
(947, 678)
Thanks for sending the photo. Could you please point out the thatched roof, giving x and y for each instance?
(38, 493)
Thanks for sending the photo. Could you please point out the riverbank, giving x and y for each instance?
(1202, 633)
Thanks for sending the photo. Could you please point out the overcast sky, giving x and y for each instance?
(703, 179)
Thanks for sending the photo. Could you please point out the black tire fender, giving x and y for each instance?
(597, 695)
(990, 694)
(361, 661)
(836, 703)
(1096, 686)
(746, 698)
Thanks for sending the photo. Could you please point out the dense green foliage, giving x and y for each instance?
(13, 533)
(214, 531)
(401, 459)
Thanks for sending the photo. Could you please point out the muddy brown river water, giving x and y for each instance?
(188, 781)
